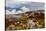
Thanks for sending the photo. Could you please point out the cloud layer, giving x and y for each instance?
(24, 6)
(14, 11)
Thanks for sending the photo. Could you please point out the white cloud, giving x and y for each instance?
(13, 12)
(25, 9)
(7, 12)
(18, 12)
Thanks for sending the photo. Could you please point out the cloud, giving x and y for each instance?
(13, 12)
(8, 12)
(19, 11)
(25, 6)
(25, 9)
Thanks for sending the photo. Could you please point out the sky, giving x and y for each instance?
(15, 7)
